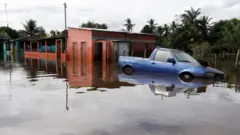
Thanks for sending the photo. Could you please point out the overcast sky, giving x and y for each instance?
(49, 13)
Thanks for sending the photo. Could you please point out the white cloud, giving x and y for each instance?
(49, 13)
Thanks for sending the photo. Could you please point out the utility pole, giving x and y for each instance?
(65, 34)
(65, 19)
(6, 14)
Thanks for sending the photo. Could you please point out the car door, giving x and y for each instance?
(160, 64)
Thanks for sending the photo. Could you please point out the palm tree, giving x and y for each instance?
(173, 26)
(160, 30)
(190, 16)
(129, 24)
(166, 30)
(152, 25)
(204, 25)
(32, 29)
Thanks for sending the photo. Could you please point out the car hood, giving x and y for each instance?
(213, 70)
(198, 68)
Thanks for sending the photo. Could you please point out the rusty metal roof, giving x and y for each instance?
(104, 30)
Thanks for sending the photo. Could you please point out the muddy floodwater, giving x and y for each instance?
(39, 97)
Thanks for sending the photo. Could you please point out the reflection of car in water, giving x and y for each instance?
(165, 85)
(170, 62)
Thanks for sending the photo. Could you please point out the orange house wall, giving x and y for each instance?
(46, 56)
(79, 36)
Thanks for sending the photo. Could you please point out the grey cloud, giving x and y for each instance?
(84, 9)
(226, 5)
(231, 3)
(50, 9)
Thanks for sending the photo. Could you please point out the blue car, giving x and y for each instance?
(170, 62)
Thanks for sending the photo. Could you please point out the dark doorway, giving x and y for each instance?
(98, 52)
(98, 60)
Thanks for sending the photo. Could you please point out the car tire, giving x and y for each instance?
(186, 77)
(128, 70)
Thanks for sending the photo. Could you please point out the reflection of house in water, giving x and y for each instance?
(195, 91)
(48, 66)
(171, 91)
(83, 73)
(80, 73)
(167, 91)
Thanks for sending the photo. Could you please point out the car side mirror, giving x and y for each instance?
(171, 60)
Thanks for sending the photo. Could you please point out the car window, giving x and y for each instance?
(162, 56)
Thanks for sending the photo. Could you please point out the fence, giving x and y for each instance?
(210, 56)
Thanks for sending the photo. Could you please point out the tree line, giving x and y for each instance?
(192, 30)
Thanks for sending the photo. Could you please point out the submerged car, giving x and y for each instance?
(170, 62)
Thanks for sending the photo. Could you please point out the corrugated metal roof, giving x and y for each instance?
(104, 30)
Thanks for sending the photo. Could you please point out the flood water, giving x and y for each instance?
(50, 98)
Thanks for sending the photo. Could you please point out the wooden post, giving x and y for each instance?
(31, 63)
(145, 53)
(38, 63)
(46, 65)
(45, 46)
(37, 46)
(215, 60)
(223, 54)
(202, 53)
(236, 62)
(25, 61)
(30, 46)
(24, 46)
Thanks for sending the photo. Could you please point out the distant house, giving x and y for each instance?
(14, 47)
(3, 38)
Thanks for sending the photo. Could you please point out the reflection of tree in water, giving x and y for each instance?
(195, 91)
(232, 82)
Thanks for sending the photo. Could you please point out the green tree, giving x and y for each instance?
(129, 25)
(90, 24)
(54, 33)
(4, 35)
(190, 16)
(13, 34)
(204, 26)
(31, 28)
(152, 25)
(146, 29)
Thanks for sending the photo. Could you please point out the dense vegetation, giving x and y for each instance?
(195, 31)
(191, 30)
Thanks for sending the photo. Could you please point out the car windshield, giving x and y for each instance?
(184, 57)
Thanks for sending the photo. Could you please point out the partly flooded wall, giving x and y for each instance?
(80, 56)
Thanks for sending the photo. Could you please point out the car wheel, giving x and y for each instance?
(186, 77)
(128, 70)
